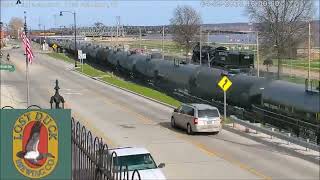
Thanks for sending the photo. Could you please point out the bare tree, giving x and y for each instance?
(282, 24)
(185, 26)
(15, 24)
(98, 24)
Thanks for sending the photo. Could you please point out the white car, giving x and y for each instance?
(139, 159)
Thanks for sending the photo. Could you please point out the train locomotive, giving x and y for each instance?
(220, 57)
(286, 105)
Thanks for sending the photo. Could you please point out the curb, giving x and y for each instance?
(151, 99)
(273, 145)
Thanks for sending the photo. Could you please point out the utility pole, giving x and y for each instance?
(208, 41)
(44, 32)
(55, 20)
(200, 44)
(40, 32)
(162, 42)
(118, 24)
(258, 60)
(209, 59)
(309, 52)
(140, 37)
(278, 57)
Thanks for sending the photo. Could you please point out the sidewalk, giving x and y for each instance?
(282, 145)
(9, 97)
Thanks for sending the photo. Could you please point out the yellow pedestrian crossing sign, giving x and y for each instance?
(54, 46)
(225, 83)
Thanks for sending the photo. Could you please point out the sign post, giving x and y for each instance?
(84, 56)
(225, 84)
(81, 57)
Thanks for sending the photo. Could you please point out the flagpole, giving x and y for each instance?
(27, 63)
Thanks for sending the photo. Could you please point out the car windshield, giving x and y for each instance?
(137, 162)
(208, 113)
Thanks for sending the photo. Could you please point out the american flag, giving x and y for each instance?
(27, 46)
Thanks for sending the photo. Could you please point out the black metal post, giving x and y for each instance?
(57, 98)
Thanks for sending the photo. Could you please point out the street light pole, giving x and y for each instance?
(140, 37)
(75, 38)
(162, 42)
(258, 60)
(200, 44)
(75, 35)
(309, 51)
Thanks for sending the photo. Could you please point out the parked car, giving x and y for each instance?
(197, 118)
(138, 159)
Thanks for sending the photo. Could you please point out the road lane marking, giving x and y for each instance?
(90, 127)
(200, 146)
(140, 117)
(72, 93)
(96, 131)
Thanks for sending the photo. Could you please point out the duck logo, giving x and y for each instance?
(35, 144)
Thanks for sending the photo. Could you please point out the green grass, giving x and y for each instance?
(157, 44)
(299, 63)
(61, 56)
(227, 121)
(110, 78)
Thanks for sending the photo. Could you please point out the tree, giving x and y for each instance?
(15, 24)
(282, 24)
(98, 24)
(268, 62)
(185, 26)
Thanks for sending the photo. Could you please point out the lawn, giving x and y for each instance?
(299, 63)
(169, 46)
(112, 79)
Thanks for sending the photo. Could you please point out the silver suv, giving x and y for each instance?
(197, 118)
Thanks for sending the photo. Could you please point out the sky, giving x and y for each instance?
(132, 12)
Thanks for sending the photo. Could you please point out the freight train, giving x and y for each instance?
(287, 105)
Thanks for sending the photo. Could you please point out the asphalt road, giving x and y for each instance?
(123, 119)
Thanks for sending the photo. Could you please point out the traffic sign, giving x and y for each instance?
(225, 83)
(84, 56)
(79, 54)
(54, 46)
(7, 67)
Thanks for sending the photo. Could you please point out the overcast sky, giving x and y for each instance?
(132, 12)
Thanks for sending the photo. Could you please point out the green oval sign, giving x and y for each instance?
(7, 67)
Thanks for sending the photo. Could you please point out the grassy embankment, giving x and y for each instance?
(110, 78)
